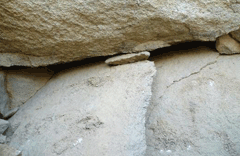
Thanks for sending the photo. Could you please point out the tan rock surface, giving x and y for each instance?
(195, 105)
(227, 45)
(34, 33)
(87, 111)
(236, 34)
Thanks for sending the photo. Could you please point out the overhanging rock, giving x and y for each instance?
(36, 33)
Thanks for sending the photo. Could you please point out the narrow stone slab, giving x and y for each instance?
(227, 45)
(3, 125)
(128, 58)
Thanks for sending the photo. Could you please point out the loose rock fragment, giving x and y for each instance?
(3, 125)
(6, 150)
(236, 35)
(128, 58)
(227, 45)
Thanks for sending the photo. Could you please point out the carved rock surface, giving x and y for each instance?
(34, 33)
(195, 105)
(89, 110)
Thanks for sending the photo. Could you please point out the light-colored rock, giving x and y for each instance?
(128, 58)
(90, 110)
(236, 34)
(2, 139)
(3, 93)
(6, 150)
(195, 105)
(227, 45)
(34, 33)
(3, 126)
(22, 84)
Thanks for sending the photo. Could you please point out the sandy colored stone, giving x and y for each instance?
(3, 125)
(236, 34)
(6, 150)
(195, 105)
(87, 111)
(35, 33)
(227, 45)
(128, 58)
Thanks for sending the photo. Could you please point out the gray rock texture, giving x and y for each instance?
(22, 84)
(127, 58)
(227, 45)
(34, 33)
(195, 105)
(6, 150)
(89, 110)
(2, 139)
(3, 126)
(4, 98)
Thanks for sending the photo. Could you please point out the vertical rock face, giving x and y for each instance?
(91, 110)
(35, 33)
(195, 105)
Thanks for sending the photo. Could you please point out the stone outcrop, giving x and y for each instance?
(227, 45)
(89, 110)
(128, 58)
(35, 33)
(195, 105)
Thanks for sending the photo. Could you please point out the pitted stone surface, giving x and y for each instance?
(36, 33)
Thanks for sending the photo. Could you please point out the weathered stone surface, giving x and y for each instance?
(127, 58)
(3, 125)
(227, 45)
(22, 84)
(195, 105)
(34, 33)
(2, 139)
(90, 110)
(236, 34)
(6, 150)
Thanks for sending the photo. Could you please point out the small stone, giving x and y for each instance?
(2, 139)
(10, 113)
(6, 150)
(3, 125)
(227, 45)
(236, 35)
(128, 58)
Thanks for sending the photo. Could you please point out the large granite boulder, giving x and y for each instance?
(34, 33)
(195, 105)
(87, 111)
